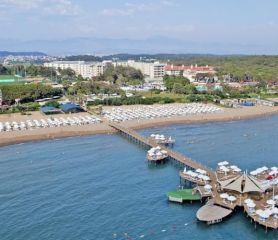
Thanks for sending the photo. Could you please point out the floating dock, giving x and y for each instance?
(182, 195)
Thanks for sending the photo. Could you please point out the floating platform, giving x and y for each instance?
(211, 213)
(182, 195)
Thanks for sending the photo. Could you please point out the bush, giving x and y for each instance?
(52, 104)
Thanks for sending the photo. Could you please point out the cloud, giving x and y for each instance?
(62, 7)
(168, 2)
(57, 7)
(22, 4)
(129, 9)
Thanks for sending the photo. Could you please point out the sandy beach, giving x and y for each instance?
(15, 137)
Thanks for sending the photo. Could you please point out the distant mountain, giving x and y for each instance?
(154, 45)
(6, 53)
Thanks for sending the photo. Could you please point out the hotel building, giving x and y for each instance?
(86, 70)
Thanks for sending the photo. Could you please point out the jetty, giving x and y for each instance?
(149, 143)
(225, 188)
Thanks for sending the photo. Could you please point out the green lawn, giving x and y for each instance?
(185, 194)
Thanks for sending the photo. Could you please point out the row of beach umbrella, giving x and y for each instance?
(119, 114)
(49, 122)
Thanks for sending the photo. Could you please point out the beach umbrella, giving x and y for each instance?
(268, 211)
(198, 170)
(224, 195)
(208, 187)
(248, 200)
(193, 174)
(220, 164)
(206, 178)
(254, 173)
(233, 166)
(264, 215)
(251, 205)
(270, 202)
(225, 163)
(237, 170)
(274, 169)
(259, 211)
(264, 168)
(275, 211)
(231, 198)
(200, 176)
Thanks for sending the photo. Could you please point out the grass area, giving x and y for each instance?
(185, 194)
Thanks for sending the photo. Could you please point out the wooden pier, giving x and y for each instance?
(149, 143)
(216, 209)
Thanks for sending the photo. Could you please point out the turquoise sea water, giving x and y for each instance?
(100, 187)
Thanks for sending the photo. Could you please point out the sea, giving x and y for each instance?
(101, 187)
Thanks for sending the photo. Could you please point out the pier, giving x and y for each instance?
(149, 143)
(220, 204)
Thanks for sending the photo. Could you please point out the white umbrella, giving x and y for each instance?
(220, 164)
(270, 202)
(254, 173)
(268, 211)
(198, 170)
(224, 195)
(259, 211)
(208, 187)
(274, 169)
(251, 205)
(206, 178)
(264, 215)
(275, 211)
(231, 198)
(159, 154)
(248, 200)
(237, 170)
(225, 163)
(264, 168)
(193, 174)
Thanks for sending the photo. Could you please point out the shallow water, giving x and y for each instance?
(100, 187)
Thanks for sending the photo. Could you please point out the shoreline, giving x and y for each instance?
(18, 137)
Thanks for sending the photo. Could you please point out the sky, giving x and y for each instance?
(237, 24)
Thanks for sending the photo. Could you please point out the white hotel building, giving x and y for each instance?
(153, 71)
(86, 70)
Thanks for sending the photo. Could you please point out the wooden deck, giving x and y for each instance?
(211, 213)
